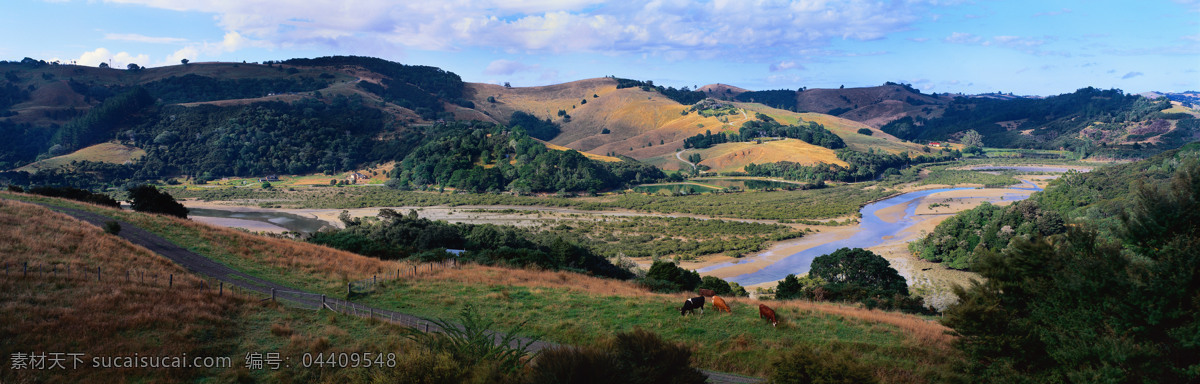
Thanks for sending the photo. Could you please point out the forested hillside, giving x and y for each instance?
(482, 157)
(1111, 298)
(1098, 199)
(1090, 120)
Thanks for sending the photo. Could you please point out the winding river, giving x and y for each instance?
(872, 230)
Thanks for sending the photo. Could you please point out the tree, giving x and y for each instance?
(865, 131)
(862, 268)
(1077, 307)
(670, 277)
(103, 65)
(147, 198)
(184, 61)
(789, 288)
(971, 138)
(716, 284)
(133, 67)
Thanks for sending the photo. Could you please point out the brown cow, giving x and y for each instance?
(768, 313)
(706, 292)
(720, 305)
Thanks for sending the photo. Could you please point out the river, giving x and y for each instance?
(873, 230)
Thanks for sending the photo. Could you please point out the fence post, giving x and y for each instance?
(372, 312)
(272, 294)
(414, 271)
(25, 269)
(127, 275)
(222, 291)
(348, 290)
(143, 274)
(322, 303)
(97, 273)
(171, 280)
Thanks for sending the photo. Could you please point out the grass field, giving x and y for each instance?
(823, 203)
(51, 311)
(574, 308)
(104, 152)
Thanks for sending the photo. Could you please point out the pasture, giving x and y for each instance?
(574, 308)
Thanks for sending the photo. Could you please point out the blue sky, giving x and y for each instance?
(1041, 47)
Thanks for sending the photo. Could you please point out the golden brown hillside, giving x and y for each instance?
(104, 152)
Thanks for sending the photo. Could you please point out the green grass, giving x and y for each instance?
(955, 177)
(739, 343)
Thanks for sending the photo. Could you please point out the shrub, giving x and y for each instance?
(112, 227)
(810, 366)
(865, 131)
(718, 285)
(147, 198)
(674, 278)
(574, 365)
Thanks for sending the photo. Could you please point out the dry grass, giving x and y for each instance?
(105, 152)
(593, 156)
(735, 156)
(49, 311)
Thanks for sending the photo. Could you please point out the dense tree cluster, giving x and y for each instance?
(101, 122)
(958, 240)
(481, 157)
(539, 129)
(75, 194)
(11, 94)
(265, 138)
(665, 276)
(777, 98)
(397, 236)
(1049, 123)
(1082, 307)
(854, 275)
(1098, 197)
(194, 88)
(416, 87)
(810, 132)
(862, 166)
(683, 95)
(147, 198)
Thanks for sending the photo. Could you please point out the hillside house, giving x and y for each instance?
(355, 177)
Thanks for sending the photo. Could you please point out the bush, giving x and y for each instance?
(865, 131)
(672, 278)
(810, 366)
(147, 198)
(112, 227)
(638, 356)
(718, 285)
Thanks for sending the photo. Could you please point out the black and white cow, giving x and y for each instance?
(691, 304)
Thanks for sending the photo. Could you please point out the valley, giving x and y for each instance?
(880, 223)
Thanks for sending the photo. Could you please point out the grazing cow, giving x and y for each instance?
(706, 292)
(720, 305)
(691, 304)
(768, 313)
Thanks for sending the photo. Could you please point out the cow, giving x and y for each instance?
(691, 304)
(720, 305)
(706, 292)
(768, 313)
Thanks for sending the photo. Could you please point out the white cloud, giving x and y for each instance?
(963, 38)
(506, 67)
(1131, 75)
(143, 39)
(693, 28)
(117, 60)
(784, 65)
